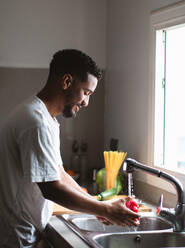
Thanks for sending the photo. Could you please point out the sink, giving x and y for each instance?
(98, 235)
(140, 240)
(85, 222)
(152, 232)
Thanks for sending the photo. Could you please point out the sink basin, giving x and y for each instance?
(140, 240)
(89, 223)
(152, 232)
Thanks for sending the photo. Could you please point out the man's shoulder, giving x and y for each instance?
(28, 114)
(29, 110)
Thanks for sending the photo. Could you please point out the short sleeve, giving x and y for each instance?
(40, 154)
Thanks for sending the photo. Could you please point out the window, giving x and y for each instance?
(169, 139)
(168, 27)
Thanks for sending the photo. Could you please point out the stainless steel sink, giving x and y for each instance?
(152, 232)
(98, 235)
(140, 240)
(89, 223)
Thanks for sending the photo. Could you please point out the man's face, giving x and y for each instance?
(78, 96)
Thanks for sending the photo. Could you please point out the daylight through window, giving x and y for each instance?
(169, 126)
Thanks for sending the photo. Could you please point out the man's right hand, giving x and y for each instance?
(119, 214)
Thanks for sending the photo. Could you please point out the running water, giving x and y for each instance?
(130, 184)
(104, 227)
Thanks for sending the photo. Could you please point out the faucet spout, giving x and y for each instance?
(177, 215)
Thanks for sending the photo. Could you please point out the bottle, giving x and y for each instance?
(83, 168)
(75, 158)
(75, 146)
(83, 162)
(94, 185)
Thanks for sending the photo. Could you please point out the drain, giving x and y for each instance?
(138, 238)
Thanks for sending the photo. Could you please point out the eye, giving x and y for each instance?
(87, 93)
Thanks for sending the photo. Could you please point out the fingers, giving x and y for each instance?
(134, 221)
(124, 209)
(129, 198)
(104, 220)
(120, 215)
(131, 213)
(125, 221)
(130, 221)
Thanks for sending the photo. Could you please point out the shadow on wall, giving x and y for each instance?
(17, 84)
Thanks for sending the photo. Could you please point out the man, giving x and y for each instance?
(31, 173)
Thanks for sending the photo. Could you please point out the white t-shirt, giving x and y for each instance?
(29, 153)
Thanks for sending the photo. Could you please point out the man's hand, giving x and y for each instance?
(119, 214)
(104, 220)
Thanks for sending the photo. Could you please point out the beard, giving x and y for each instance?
(68, 112)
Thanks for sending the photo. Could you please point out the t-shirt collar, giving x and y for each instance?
(54, 120)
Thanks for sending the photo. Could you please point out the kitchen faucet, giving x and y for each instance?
(175, 215)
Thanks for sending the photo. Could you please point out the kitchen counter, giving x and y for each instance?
(58, 209)
(62, 236)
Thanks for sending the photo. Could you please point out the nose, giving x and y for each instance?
(85, 102)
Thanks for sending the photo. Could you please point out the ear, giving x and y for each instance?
(66, 81)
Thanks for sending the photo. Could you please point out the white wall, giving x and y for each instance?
(128, 82)
(31, 31)
(127, 87)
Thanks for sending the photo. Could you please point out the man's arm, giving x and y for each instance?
(69, 194)
(66, 178)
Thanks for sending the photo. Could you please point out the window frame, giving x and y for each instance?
(160, 19)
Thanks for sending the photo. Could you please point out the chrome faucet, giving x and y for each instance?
(175, 215)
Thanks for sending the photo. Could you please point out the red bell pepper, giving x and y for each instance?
(132, 205)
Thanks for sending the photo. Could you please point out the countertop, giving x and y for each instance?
(61, 210)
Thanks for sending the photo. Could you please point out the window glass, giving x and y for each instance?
(169, 126)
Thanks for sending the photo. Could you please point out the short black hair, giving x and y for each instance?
(74, 62)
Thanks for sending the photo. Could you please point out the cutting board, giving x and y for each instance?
(62, 210)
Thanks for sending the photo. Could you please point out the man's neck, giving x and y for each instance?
(51, 101)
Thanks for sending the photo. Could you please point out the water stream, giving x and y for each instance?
(130, 184)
